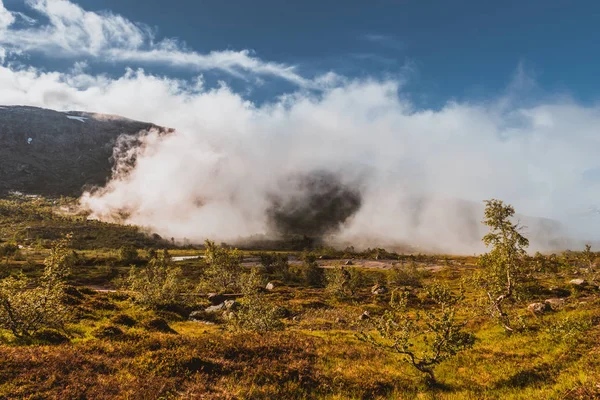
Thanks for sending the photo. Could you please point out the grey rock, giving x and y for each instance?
(365, 315)
(539, 308)
(217, 308)
(231, 305)
(271, 286)
(379, 289)
(577, 282)
(199, 316)
(555, 302)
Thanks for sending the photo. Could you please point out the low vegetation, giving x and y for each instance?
(127, 321)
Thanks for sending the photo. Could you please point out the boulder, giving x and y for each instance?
(555, 302)
(539, 308)
(196, 316)
(577, 282)
(231, 305)
(378, 289)
(365, 315)
(217, 308)
(203, 316)
(349, 262)
(271, 286)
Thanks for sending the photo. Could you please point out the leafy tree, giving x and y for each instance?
(424, 338)
(587, 257)
(26, 307)
(223, 268)
(158, 284)
(504, 269)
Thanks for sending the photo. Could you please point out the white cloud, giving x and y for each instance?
(6, 18)
(228, 154)
(73, 32)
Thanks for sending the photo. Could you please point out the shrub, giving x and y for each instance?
(51, 336)
(26, 307)
(409, 275)
(256, 313)
(223, 268)
(8, 250)
(568, 329)
(107, 332)
(158, 325)
(425, 339)
(156, 285)
(123, 319)
(276, 264)
(128, 254)
(339, 283)
(311, 272)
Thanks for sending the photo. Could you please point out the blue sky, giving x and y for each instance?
(464, 50)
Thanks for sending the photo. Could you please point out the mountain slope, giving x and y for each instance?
(54, 153)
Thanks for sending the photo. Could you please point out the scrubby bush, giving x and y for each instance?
(425, 339)
(158, 284)
(256, 313)
(51, 336)
(407, 275)
(568, 329)
(8, 250)
(276, 264)
(339, 282)
(223, 268)
(27, 307)
(312, 274)
(158, 325)
(107, 332)
(128, 254)
(123, 319)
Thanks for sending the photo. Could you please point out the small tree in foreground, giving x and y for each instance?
(156, 285)
(424, 339)
(26, 307)
(504, 269)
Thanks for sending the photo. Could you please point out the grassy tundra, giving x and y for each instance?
(502, 326)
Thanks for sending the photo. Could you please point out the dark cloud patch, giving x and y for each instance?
(312, 204)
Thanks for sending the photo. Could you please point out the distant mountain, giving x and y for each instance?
(58, 153)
